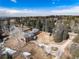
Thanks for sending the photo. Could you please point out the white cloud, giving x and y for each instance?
(26, 12)
(13, 1)
(22, 12)
(69, 11)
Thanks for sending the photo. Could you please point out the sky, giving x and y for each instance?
(38, 7)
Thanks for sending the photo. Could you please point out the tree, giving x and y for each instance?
(61, 33)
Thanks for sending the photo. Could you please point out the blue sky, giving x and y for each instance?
(38, 7)
(34, 4)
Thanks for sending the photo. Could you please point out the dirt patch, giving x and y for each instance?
(36, 51)
(14, 44)
(45, 37)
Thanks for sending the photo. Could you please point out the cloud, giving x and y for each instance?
(13, 1)
(22, 12)
(69, 11)
(26, 12)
